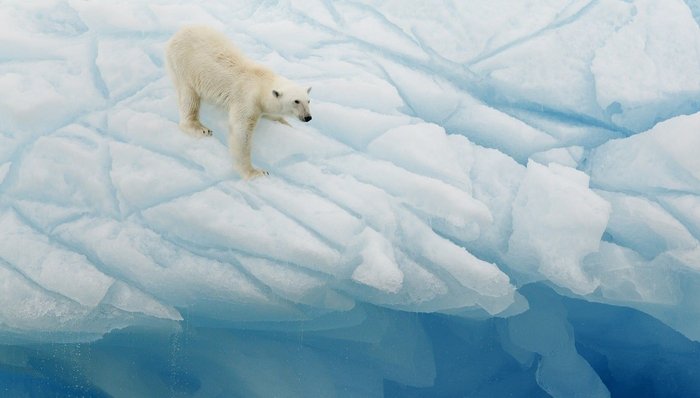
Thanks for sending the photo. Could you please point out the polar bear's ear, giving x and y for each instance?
(276, 93)
(308, 90)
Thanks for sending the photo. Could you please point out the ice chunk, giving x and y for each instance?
(8, 145)
(276, 33)
(46, 216)
(206, 286)
(496, 179)
(427, 96)
(467, 31)
(130, 299)
(645, 226)
(516, 138)
(570, 157)
(427, 150)
(666, 77)
(354, 126)
(569, 132)
(296, 284)
(50, 265)
(117, 17)
(686, 208)
(559, 77)
(226, 220)
(366, 91)
(143, 178)
(4, 169)
(31, 308)
(544, 330)
(44, 90)
(124, 67)
(278, 145)
(367, 25)
(487, 285)
(436, 100)
(158, 134)
(557, 221)
(627, 277)
(66, 168)
(422, 289)
(313, 211)
(377, 266)
(462, 213)
(665, 156)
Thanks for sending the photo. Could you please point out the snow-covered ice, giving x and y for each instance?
(509, 175)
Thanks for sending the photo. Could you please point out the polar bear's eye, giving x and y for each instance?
(296, 101)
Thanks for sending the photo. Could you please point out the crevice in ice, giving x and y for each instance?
(463, 78)
(385, 21)
(694, 6)
(231, 258)
(97, 78)
(655, 191)
(399, 90)
(337, 17)
(175, 196)
(552, 25)
(176, 156)
(220, 253)
(107, 168)
(560, 115)
(295, 179)
(93, 260)
(255, 200)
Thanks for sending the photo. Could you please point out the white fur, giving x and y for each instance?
(205, 65)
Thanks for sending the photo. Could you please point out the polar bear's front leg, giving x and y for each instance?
(278, 119)
(241, 143)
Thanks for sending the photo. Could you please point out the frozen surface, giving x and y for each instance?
(459, 153)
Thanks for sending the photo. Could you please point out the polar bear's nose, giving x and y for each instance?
(307, 118)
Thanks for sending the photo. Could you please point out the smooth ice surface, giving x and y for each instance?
(459, 152)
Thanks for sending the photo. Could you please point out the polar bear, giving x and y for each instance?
(205, 65)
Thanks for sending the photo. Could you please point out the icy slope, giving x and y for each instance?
(458, 152)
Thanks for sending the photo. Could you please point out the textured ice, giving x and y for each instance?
(484, 190)
(557, 221)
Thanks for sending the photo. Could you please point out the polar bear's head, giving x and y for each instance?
(294, 100)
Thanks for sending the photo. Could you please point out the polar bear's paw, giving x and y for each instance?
(255, 173)
(282, 121)
(196, 129)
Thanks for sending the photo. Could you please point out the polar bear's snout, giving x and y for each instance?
(303, 108)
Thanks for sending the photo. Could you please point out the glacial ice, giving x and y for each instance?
(493, 198)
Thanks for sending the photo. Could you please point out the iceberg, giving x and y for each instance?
(493, 199)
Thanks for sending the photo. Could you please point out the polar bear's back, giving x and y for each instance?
(205, 60)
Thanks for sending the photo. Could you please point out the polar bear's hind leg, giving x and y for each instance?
(189, 113)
